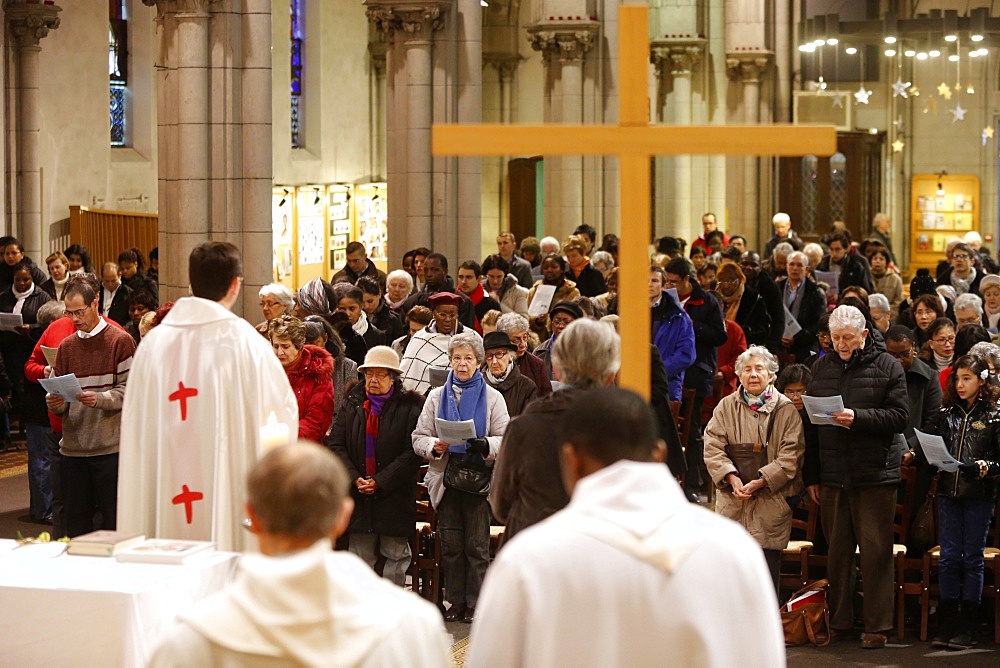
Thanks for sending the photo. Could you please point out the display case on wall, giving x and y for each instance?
(340, 223)
(310, 233)
(942, 207)
(282, 229)
(371, 217)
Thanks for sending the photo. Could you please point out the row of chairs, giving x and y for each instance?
(915, 575)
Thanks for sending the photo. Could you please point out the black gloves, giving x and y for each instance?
(480, 446)
(969, 470)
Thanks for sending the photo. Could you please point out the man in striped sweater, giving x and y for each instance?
(100, 356)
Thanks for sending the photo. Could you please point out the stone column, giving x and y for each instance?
(563, 45)
(29, 24)
(215, 137)
(677, 60)
(747, 67)
(469, 99)
(409, 27)
(505, 65)
(377, 51)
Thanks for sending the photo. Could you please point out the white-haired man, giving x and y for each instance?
(853, 475)
(968, 310)
(782, 224)
(299, 602)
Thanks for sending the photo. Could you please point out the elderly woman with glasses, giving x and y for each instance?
(753, 451)
(275, 300)
(502, 373)
(371, 435)
(458, 478)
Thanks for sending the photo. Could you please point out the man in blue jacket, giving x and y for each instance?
(673, 334)
(709, 328)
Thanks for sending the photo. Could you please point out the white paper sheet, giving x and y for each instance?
(50, 355)
(455, 433)
(792, 326)
(67, 387)
(830, 278)
(821, 409)
(10, 321)
(936, 451)
(542, 299)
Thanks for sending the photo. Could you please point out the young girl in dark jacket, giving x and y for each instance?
(969, 423)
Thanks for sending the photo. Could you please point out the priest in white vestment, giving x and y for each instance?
(206, 382)
(299, 603)
(629, 573)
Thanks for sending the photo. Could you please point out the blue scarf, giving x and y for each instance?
(471, 407)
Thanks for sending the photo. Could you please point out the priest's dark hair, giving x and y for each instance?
(212, 267)
(609, 424)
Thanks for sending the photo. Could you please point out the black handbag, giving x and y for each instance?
(463, 473)
(750, 458)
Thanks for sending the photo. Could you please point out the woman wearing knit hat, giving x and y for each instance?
(989, 288)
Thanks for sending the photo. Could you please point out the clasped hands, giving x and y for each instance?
(477, 446)
(56, 403)
(366, 485)
(744, 491)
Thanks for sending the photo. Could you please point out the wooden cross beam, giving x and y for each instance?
(634, 141)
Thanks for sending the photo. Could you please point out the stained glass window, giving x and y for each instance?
(297, 40)
(117, 69)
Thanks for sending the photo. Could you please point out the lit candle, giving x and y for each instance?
(272, 435)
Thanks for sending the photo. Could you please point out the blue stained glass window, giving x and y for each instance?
(117, 114)
(297, 39)
(117, 70)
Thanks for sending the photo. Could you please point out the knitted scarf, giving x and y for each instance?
(471, 406)
(578, 267)
(373, 413)
(755, 401)
(731, 304)
(21, 296)
(475, 297)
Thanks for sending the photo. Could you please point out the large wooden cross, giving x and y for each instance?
(634, 141)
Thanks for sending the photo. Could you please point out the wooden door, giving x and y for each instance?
(522, 174)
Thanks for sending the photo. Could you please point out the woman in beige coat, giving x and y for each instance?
(757, 413)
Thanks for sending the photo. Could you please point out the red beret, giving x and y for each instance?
(444, 299)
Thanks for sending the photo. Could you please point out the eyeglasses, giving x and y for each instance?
(518, 340)
(497, 355)
(562, 321)
(376, 374)
(959, 256)
(468, 359)
(949, 340)
(268, 304)
(729, 281)
(794, 393)
(78, 313)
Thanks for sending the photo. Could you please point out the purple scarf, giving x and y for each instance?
(373, 412)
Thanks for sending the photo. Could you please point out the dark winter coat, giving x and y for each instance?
(517, 391)
(391, 510)
(312, 382)
(119, 304)
(811, 309)
(754, 318)
(466, 313)
(7, 273)
(855, 271)
(590, 282)
(945, 278)
(347, 275)
(971, 434)
(872, 384)
(709, 333)
(387, 321)
(533, 368)
(143, 282)
(527, 478)
(765, 286)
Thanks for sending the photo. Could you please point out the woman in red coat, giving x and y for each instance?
(310, 373)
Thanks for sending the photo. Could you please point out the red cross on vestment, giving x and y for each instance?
(182, 395)
(187, 497)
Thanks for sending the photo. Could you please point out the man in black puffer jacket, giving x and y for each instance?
(853, 474)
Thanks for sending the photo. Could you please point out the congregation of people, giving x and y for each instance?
(464, 394)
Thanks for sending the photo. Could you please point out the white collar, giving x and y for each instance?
(101, 326)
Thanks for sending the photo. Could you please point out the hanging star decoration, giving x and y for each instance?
(931, 105)
(987, 134)
(898, 124)
(914, 91)
(897, 146)
(862, 94)
(958, 113)
(838, 101)
(900, 87)
(944, 90)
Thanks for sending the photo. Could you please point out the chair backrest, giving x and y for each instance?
(904, 504)
(804, 520)
(683, 413)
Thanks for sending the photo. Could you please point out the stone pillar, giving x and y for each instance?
(29, 24)
(409, 27)
(563, 45)
(677, 59)
(505, 65)
(377, 51)
(215, 169)
(746, 68)
(469, 83)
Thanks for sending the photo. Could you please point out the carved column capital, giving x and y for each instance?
(505, 63)
(567, 41)
(413, 18)
(191, 7)
(30, 23)
(377, 51)
(747, 66)
(676, 57)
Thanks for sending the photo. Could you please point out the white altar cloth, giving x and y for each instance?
(93, 611)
